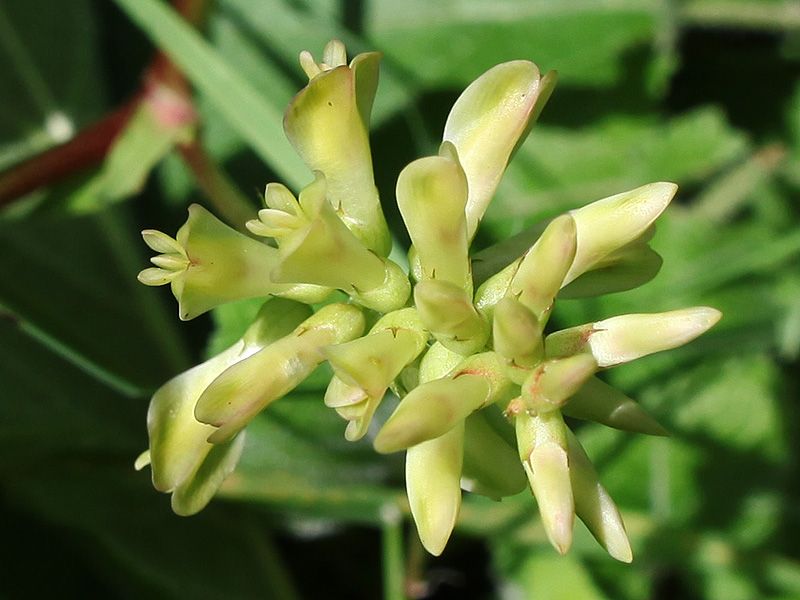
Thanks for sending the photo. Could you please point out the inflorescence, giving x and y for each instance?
(451, 350)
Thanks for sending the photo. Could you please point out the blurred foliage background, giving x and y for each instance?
(700, 92)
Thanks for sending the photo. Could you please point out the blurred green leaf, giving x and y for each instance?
(558, 169)
(257, 120)
(150, 552)
(48, 68)
(545, 575)
(71, 283)
(296, 458)
(451, 42)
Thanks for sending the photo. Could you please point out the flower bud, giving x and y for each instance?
(341, 394)
(594, 505)
(597, 401)
(554, 382)
(449, 314)
(372, 363)
(517, 333)
(609, 224)
(437, 362)
(247, 387)
(315, 247)
(542, 443)
(209, 264)
(435, 407)
(327, 122)
(489, 121)
(431, 196)
(627, 337)
(433, 475)
(182, 460)
(542, 270)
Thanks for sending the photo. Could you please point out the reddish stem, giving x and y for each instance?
(86, 149)
(91, 145)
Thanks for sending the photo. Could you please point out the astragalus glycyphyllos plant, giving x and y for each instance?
(452, 353)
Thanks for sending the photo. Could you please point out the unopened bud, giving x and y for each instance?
(246, 388)
(431, 196)
(542, 442)
(435, 407)
(554, 382)
(433, 476)
(627, 337)
(543, 268)
(594, 505)
(611, 223)
(489, 121)
(449, 314)
(517, 333)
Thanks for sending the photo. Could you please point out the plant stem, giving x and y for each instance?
(217, 187)
(86, 149)
(416, 585)
(91, 145)
(393, 567)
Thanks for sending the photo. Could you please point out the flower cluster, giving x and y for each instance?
(451, 350)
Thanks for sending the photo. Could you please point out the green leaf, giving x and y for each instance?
(219, 554)
(256, 120)
(449, 43)
(48, 66)
(545, 575)
(297, 460)
(71, 283)
(559, 168)
(135, 152)
(52, 409)
(731, 401)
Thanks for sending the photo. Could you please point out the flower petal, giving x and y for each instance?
(433, 476)
(487, 123)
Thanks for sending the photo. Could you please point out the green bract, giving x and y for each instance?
(449, 351)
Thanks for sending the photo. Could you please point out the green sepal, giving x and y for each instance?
(625, 269)
(491, 465)
(599, 402)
